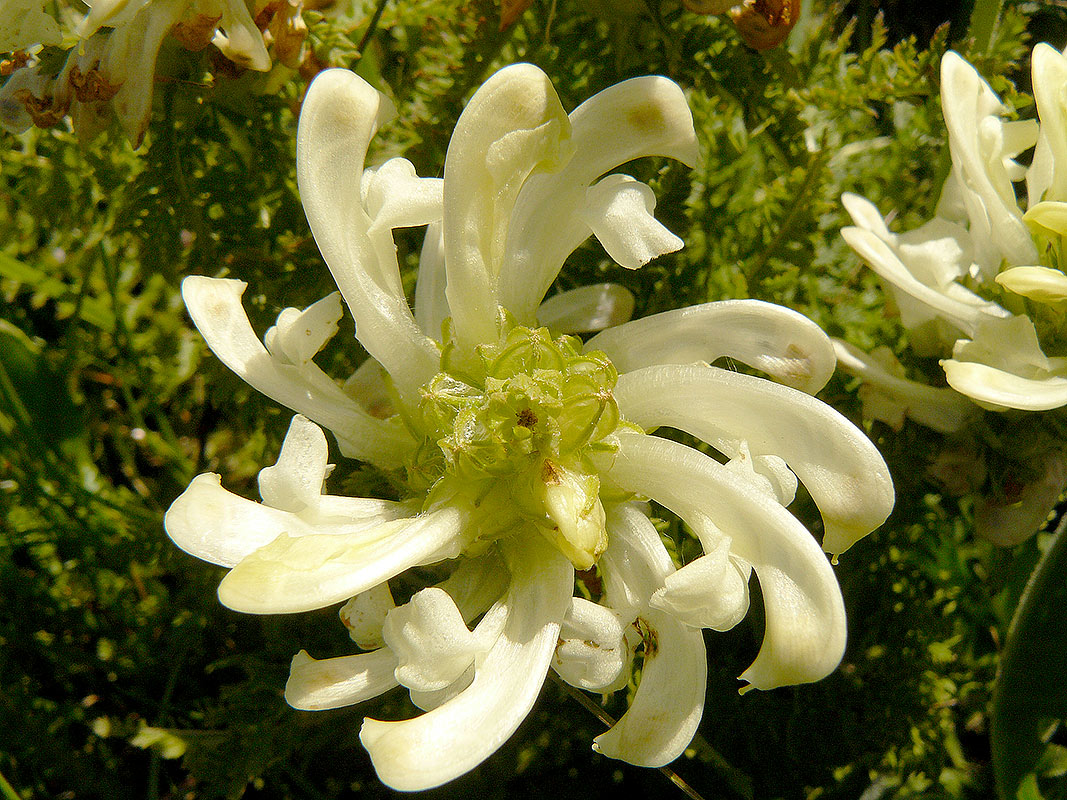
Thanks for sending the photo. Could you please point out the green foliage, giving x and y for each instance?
(110, 404)
(1030, 701)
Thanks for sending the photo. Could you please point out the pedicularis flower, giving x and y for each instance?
(981, 285)
(982, 282)
(113, 67)
(523, 452)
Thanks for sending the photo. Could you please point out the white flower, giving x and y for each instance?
(113, 67)
(980, 243)
(524, 452)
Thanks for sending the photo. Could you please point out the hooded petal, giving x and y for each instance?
(317, 685)
(777, 340)
(240, 39)
(709, 592)
(432, 644)
(618, 211)
(587, 308)
(514, 124)
(592, 653)
(215, 306)
(24, 23)
(364, 616)
(302, 573)
(980, 152)
(805, 634)
(953, 303)
(669, 700)
(294, 483)
(131, 63)
(455, 737)
(299, 335)
(645, 116)
(840, 467)
(340, 115)
(1049, 81)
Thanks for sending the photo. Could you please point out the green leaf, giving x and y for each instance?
(1031, 691)
(91, 309)
(34, 393)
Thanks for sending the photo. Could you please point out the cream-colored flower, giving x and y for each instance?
(981, 244)
(524, 453)
(113, 68)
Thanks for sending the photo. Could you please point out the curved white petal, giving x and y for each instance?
(709, 592)
(1049, 217)
(395, 197)
(431, 307)
(669, 700)
(340, 115)
(587, 308)
(805, 633)
(841, 468)
(514, 124)
(646, 116)
(215, 306)
(294, 483)
(130, 63)
(239, 38)
(455, 737)
(866, 215)
(979, 150)
(961, 307)
(24, 24)
(592, 653)
(298, 335)
(999, 389)
(1041, 284)
(307, 572)
(772, 338)
(618, 211)
(364, 616)
(1050, 78)
(218, 526)
(432, 644)
(317, 685)
(938, 408)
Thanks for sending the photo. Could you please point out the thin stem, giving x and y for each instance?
(597, 711)
(7, 790)
(372, 28)
(984, 19)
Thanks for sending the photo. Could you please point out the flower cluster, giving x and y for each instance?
(523, 452)
(981, 285)
(113, 65)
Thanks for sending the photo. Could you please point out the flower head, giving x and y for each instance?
(980, 244)
(523, 452)
(112, 69)
(981, 285)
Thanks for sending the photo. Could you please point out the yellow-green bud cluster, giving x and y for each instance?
(509, 432)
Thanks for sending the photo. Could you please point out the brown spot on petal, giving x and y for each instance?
(196, 34)
(18, 60)
(43, 111)
(91, 86)
(647, 117)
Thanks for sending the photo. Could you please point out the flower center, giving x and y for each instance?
(508, 433)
